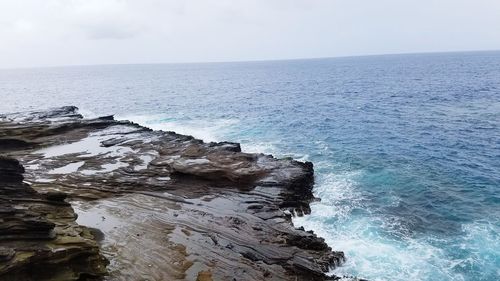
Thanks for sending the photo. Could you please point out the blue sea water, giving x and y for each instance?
(406, 147)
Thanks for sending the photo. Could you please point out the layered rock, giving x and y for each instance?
(170, 206)
(39, 238)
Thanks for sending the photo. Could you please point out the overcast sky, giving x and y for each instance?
(69, 32)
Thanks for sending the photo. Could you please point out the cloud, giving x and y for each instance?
(111, 19)
(110, 30)
(55, 32)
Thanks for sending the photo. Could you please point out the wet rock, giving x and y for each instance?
(10, 170)
(204, 276)
(6, 254)
(56, 196)
(308, 242)
(11, 144)
(107, 117)
(251, 256)
(228, 146)
(175, 207)
(39, 240)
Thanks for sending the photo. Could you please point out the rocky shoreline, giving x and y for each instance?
(151, 205)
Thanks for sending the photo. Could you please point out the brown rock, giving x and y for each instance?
(202, 210)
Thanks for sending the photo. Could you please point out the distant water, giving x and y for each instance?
(406, 147)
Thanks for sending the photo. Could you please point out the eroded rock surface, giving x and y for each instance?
(39, 238)
(167, 206)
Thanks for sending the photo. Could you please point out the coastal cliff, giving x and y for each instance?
(154, 205)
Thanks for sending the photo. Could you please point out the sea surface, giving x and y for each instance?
(406, 147)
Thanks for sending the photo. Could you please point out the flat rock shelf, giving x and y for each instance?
(92, 199)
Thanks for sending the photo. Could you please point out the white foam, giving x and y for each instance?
(87, 113)
(482, 241)
(259, 147)
(270, 148)
(371, 254)
(206, 130)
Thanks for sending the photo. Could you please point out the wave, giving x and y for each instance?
(205, 129)
(272, 148)
(346, 222)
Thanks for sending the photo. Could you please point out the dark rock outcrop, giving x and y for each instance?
(39, 239)
(166, 206)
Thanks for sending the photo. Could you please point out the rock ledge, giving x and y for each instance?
(163, 206)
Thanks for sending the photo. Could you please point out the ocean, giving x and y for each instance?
(406, 148)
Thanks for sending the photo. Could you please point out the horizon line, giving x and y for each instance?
(251, 60)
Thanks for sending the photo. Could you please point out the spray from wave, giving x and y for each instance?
(206, 130)
(347, 224)
(342, 217)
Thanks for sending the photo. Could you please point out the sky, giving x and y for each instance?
(81, 32)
